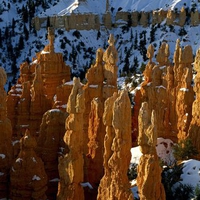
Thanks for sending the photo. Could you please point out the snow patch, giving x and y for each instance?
(184, 89)
(55, 180)
(36, 178)
(2, 156)
(86, 184)
(15, 142)
(1, 173)
(19, 160)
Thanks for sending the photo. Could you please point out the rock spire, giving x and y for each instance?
(149, 170)
(33, 183)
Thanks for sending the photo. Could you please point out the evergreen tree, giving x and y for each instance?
(21, 43)
(6, 33)
(0, 39)
(135, 46)
(24, 14)
(13, 26)
(26, 33)
(48, 22)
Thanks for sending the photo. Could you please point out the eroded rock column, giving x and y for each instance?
(71, 165)
(117, 144)
(27, 176)
(5, 140)
(149, 170)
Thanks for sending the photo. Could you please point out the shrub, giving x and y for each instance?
(132, 171)
(183, 192)
(184, 150)
(197, 192)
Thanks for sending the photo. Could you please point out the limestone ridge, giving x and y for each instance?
(167, 89)
(5, 139)
(149, 170)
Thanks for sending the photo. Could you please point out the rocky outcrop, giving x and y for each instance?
(101, 84)
(149, 170)
(144, 19)
(70, 181)
(51, 146)
(32, 96)
(168, 91)
(5, 140)
(117, 144)
(27, 176)
(195, 18)
(182, 17)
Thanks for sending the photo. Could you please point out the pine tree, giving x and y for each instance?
(13, 26)
(0, 39)
(21, 43)
(6, 33)
(48, 22)
(26, 33)
(135, 46)
(24, 14)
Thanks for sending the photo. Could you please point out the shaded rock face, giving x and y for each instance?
(33, 183)
(149, 170)
(69, 185)
(117, 144)
(62, 94)
(5, 140)
(51, 146)
(168, 91)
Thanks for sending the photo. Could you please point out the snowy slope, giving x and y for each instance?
(79, 53)
(96, 6)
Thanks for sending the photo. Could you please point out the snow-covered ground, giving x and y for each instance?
(68, 6)
(191, 168)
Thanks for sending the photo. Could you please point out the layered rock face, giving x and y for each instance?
(27, 176)
(117, 144)
(71, 165)
(168, 91)
(51, 146)
(149, 170)
(5, 140)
